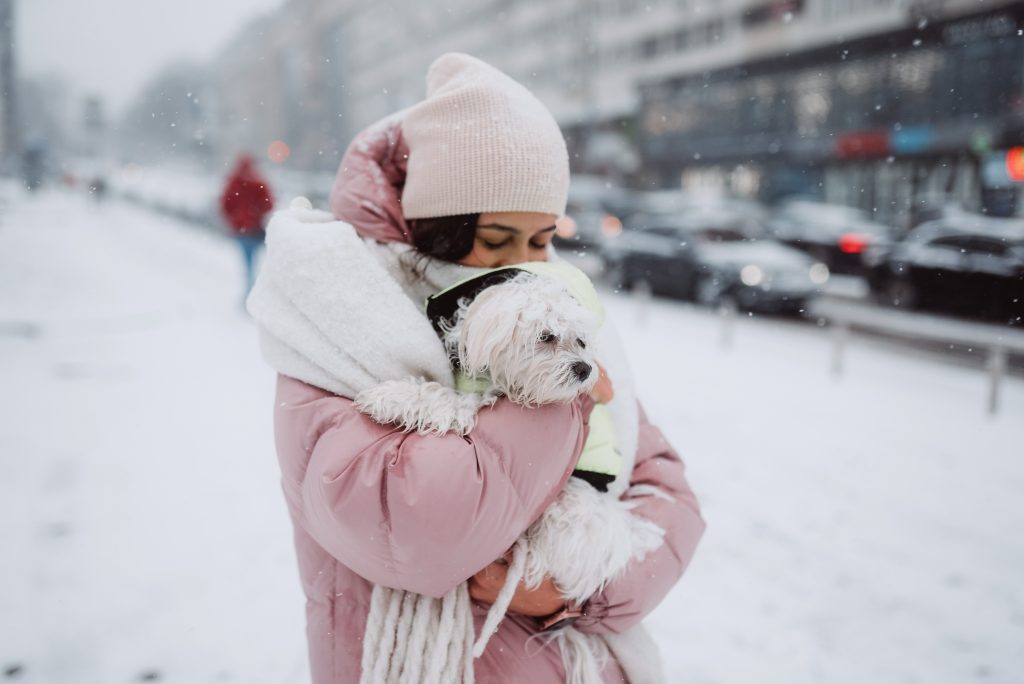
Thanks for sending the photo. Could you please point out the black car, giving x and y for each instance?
(834, 234)
(964, 264)
(592, 213)
(709, 259)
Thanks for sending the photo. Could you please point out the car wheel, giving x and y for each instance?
(747, 300)
(900, 292)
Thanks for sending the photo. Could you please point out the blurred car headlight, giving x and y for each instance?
(819, 273)
(565, 227)
(751, 275)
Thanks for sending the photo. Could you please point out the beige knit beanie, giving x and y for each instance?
(481, 142)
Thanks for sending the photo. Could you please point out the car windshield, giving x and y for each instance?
(1004, 234)
(698, 235)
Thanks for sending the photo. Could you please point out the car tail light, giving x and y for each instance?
(852, 243)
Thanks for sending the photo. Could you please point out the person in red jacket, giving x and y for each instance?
(245, 203)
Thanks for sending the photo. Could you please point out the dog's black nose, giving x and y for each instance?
(581, 369)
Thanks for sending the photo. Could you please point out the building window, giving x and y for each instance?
(649, 48)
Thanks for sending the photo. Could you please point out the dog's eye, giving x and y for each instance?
(579, 341)
(547, 337)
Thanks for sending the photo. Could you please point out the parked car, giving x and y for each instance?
(965, 264)
(710, 258)
(593, 212)
(836, 235)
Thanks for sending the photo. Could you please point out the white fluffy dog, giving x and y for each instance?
(527, 338)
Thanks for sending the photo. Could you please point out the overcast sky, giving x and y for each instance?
(111, 47)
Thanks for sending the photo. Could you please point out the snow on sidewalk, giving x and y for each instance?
(142, 519)
(867, 529)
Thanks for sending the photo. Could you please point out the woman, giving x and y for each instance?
(473, 176)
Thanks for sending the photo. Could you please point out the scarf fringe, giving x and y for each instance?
(414, 639)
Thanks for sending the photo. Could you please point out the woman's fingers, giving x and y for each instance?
(542, 600)
(603, 391)
(485, 585)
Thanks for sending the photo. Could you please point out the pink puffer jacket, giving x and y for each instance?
(371, 504)
(423, 513)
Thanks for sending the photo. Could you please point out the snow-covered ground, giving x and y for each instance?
(867, 529)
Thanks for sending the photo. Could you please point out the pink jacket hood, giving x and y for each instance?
(367, 190)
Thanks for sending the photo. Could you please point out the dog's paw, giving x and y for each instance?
(387, 402)
(464, 412)
(420, 405)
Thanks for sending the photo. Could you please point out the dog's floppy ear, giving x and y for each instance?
(486, 326)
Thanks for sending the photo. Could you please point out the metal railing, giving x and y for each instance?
(847, 316)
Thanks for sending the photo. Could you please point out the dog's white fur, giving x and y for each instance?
(526, 335)
(585, 539)
(423, 406)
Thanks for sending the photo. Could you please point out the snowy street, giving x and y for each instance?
(862, 529)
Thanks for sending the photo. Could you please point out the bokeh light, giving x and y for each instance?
(278, 151)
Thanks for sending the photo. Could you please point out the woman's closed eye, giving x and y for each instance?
(505, 243)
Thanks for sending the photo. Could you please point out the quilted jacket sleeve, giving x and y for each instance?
(423, 512)
(665, 498)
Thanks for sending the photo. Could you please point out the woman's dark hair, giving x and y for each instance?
(449, 238)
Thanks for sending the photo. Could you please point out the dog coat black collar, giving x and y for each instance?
(442, 306)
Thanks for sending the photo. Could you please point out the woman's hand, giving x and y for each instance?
(540, 601)
(603, 391)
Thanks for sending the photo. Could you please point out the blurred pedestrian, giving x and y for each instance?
(245, 203)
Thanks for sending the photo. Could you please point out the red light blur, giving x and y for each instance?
(851, 243)
(1015, 164)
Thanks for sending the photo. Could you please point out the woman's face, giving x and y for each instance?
(510, 237)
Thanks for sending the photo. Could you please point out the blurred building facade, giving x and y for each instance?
(871, 103)
(9, 139)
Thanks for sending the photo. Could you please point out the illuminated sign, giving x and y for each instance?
(912, 139)
(863, 144)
